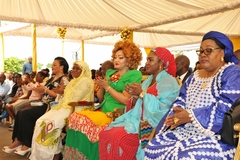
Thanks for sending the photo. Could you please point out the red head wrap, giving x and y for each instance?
(167, 58)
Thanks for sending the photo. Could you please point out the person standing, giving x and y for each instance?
(27, 67)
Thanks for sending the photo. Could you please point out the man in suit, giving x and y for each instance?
(183, 69)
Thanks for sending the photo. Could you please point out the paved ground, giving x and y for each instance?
(5, 139)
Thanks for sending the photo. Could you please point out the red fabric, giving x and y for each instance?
(85, 125)
(168, 59)
(118, 139)
(117, 144)
(129, 104)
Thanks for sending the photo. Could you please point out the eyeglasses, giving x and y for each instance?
(206, 51)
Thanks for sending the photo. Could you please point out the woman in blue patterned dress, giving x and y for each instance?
(196, 118)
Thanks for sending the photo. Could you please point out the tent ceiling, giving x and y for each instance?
(154, 22)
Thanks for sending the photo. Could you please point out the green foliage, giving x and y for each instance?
(13, 64)
(39, 66)
(49, 65)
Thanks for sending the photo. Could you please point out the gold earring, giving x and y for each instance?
(222, 59)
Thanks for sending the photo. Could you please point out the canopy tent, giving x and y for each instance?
(154, 23)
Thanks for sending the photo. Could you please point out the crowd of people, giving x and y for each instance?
(164, 110)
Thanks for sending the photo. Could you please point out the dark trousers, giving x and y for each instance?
(25, 122)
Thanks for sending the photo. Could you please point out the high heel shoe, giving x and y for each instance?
(22, 153)
(6, 149)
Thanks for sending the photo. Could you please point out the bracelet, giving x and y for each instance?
(107, 89)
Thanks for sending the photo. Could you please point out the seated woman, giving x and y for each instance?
(35, 96)
(84, 126)
(46, 140)
(26, 118)
(13, 106)
(154, 98)
(196, 118)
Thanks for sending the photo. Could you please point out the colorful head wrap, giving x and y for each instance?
(167, 58)
(228, 51)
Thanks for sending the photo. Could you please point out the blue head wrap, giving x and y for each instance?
(229, 56)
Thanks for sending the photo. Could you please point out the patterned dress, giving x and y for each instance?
(47, 134)
(122, 140)
(206, 99)
(85, 126)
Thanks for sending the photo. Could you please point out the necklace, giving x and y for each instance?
(204, 85)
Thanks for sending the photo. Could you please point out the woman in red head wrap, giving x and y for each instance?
(124, 139)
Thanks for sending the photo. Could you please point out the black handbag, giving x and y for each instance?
(231, 117)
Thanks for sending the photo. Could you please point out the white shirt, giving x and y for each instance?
(183, 75)
(4, 89)
(11, 83)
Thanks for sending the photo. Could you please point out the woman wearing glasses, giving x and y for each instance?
(195, 120)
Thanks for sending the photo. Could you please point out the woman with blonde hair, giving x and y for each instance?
(46, 140)
(86, 125)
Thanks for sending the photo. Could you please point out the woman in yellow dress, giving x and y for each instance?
(84, 126)
(46, 141)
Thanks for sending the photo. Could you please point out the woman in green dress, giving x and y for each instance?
(85, 126)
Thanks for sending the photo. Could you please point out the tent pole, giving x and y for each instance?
(236, 43)
(147, 50)
(82, 50)
(34, 48)
(1, 53)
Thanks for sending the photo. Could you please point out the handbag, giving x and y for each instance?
(231, 117)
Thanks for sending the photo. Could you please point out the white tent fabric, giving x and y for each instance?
(154, 23)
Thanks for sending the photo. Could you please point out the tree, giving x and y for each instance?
(49, 65)
(13, 64)
(39, 66)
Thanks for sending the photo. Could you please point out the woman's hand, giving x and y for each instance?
(133, 89)
(39, 89)
(180, 116)
(102, 83)
(59, 89)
